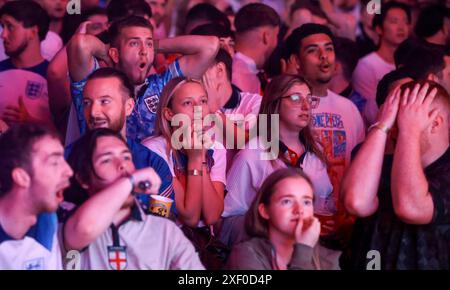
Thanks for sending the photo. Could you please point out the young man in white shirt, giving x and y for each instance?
(23, 83)
(393, 27)
(257, 28)
(33, 175)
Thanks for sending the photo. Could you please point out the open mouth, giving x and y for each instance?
(60, 194)
(142, 65)
(99, 124)
(325, 67)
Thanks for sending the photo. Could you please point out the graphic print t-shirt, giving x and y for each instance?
(339, 128)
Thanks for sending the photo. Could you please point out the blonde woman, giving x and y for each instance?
(199, 173)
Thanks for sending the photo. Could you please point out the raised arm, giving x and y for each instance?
(361, 181)
(81, 49)
(86, 224)
(58, 84)
(410, 196)
(198, 52)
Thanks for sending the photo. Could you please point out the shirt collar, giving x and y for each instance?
(235, 98)
(248, 61)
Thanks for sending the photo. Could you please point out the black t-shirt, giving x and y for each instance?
(404, 246)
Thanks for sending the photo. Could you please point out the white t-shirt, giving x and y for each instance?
(152, 243)
(249, 171)
(49, 46)
(245, 74)
(248, 106)
(38, 250)
(159, 146)
(369, 71)
(28, 83)
(339, 128)
(241, 106)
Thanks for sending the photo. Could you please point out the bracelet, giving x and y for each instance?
(380, 126)
(195, 172)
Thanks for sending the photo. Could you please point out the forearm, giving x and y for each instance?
(87, 224)
(58, 84)
(188, 44)
(81, 50)
(191, 198)
(410, 197)
(212, 200)
(198, 52)
(361, 181)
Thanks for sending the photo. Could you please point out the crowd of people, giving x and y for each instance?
(289, 134)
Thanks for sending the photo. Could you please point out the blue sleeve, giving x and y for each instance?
(172, 71)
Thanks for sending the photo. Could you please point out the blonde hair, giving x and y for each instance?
(163, 126)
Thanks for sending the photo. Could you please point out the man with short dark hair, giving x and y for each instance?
(257, 27)
(23, 83)
(33, 175)
(108, 99)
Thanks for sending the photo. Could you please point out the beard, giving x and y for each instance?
(118, 124)
(18, 51)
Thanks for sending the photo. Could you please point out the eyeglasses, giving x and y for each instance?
(298, 99)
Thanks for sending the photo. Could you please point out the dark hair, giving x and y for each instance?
(310, 5)
(224, 57)
(132, 21)
(120, 9)
(213, 29)
(431, 19)
(384, 85)
(218, 30)
(94, 11)
(108, 72)
(255, 225)
(255, 15)
(346, 52)
(208, 13)
(16, 146)
(29, 13)
(378, 19)
(293, 42)
(80, 159)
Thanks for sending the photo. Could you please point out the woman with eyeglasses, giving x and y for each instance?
(198, 169)
(288, 99)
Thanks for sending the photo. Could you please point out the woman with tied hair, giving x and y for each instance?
(287, 97)
(198, 173)
(284, 232)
